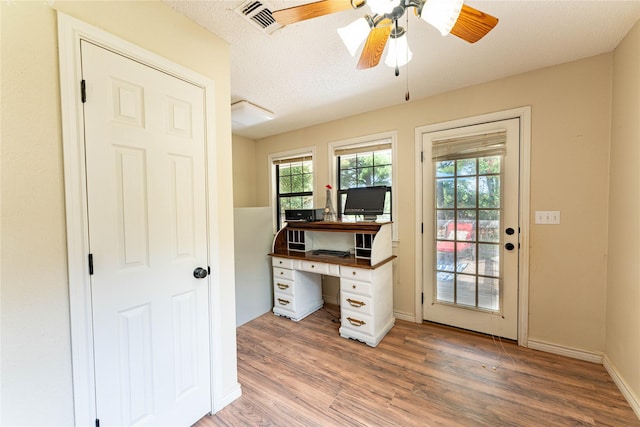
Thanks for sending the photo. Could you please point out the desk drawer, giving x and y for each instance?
(282, 273)
(315, 267)
(283, 286)
(283, 301)
(359, 304)
(284, 305)
(357, 322)
(282, 262)
(353, 273)
(354, 287)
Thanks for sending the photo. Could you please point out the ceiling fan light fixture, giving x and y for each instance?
(442, 14)
(398, 53)
(380, 7)
(354, 34)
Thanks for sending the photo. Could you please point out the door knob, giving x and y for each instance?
(509, 231)
(509, 246)
(200, 273)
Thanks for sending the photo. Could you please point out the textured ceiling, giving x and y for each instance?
(304, 74)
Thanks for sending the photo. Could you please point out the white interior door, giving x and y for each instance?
(145, 157)
(471, 230)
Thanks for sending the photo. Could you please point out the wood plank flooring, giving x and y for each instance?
(304, 374)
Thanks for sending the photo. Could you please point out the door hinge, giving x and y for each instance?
(422, 298)
(208, 269)
(83, 91)
(90, 264)
(97, 422)
(422, 156)
(422, 228)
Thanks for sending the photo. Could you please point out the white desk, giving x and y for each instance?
(366, 277)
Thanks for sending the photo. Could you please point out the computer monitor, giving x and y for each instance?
(366, 201)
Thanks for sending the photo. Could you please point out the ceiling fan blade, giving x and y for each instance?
(312, 10)
(472, 24)
(373, 47)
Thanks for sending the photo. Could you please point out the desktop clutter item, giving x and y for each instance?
(329, 212)
(304, 214)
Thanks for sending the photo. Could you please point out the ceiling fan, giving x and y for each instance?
(448, 16)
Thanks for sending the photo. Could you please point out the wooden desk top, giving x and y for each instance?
(338, 226)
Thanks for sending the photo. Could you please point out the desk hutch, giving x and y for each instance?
(366, 274)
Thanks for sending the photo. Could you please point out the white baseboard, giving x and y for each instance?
(331, 299)
(598, 358)
(235, 393)
(409, 317)
(634, 402)
(574, 353)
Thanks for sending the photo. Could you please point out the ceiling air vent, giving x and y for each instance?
(258, 15)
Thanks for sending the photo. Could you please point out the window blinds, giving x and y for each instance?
(379, 145)
(469, 146)
(288, 160)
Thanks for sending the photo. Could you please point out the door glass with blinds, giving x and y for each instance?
(294, 183)
(473, 235)
(369, 165)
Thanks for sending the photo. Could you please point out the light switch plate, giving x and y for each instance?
(547, 217)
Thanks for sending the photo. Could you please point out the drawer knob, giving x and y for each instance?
(354, 273)
(282, 272)
(356, 303)
(282, 286)
(356, 322)
(313, 266)
(283, 301)
(353, 286)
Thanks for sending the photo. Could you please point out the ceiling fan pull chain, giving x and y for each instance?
(406, 96)
(395, 40)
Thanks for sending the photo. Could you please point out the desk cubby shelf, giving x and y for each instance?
(366, 274)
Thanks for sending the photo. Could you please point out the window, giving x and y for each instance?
(468, 219)
(365, 162)
(365, 169)
(293, 184)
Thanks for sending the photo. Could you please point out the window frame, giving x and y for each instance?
(365, 142)
(273, 182)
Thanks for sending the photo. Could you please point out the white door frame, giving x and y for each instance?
(524, 114)
(70, 32)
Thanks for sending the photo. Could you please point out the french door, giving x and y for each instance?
(471, 230)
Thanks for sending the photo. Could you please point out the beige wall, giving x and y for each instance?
(35, 308)
(569, 150)
(623, 289)
(244, 172)
(35, 338)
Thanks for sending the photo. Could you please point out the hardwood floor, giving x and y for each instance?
(304, 374)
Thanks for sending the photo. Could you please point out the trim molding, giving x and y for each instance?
(70, 32)
(363, 141)
(273, 196)
(574, 353)
(223, 401)
(594, 357)
(409, 317)
(331, 299)
(524, 114)
(634, 401)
